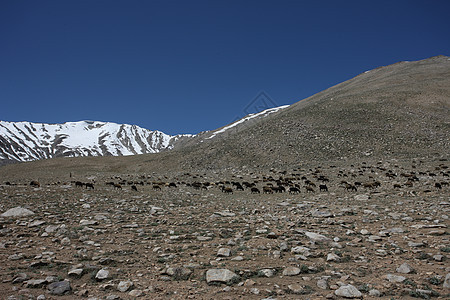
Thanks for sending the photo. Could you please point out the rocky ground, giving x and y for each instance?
(386, 240)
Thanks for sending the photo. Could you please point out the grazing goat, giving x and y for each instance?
(294, 190)
(227, 190)
(323, 187)
(117, 186)
(89, 185)
(350, 187)
(79, 184)
(267, 190)
(309, 189)
(35, 184)
(134, 188)
(255, 190)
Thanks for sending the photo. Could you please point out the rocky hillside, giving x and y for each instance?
(397, 111)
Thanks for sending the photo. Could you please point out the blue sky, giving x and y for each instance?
(190, 66)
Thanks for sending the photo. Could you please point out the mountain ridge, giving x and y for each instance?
(26, 141)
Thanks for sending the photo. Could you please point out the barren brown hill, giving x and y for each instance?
(397, 111)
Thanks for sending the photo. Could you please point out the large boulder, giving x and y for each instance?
(17, 212)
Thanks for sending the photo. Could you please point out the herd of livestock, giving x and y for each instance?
(365, 177)
(282, 182)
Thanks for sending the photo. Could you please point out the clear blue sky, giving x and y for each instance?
(189, 66)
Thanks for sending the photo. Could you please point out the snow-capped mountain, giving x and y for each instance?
(26, 141)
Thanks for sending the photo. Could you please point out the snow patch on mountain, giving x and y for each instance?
(247, 118)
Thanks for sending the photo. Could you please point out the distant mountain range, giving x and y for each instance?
(27, 141)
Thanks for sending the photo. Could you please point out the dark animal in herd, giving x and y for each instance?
(227, 190)
(294, 190)
(323, 188)
(35, 184)
(87, 185)
(255, 190)
(267, 190)
(309, 189)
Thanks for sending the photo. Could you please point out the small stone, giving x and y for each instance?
(272, 235)
(36, 223)
(321, 214)
(333, 257)
(362, 197)
(291, 271)
(35, 283)
(414, 244)
(405, 269)
(21, 277)
(124, 286)
(59, 288)
(317, 238)
(394, 278)
(179, 273)
(447, 281)
(88, 222)
(364, 232)
(348, 291)
(438, 257)
(300, 250)
(375, 293)
(322, 284)
(225, 214)
(220, 275)
(75, 272)
(136, 293)
(266, 273)
(65, 241)
(296, 288)
(224, 252)
(102, 274)
(249, 282)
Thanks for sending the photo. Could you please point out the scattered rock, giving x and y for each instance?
(124, 286)
(296, 289)
(317, 238)
(447, 281)
(348, 291)
(17, 212)
(394, 278)
(59, 288)
(221, 275)
(291, 271)
(102, 274)
(224, 252)
(405, 269)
